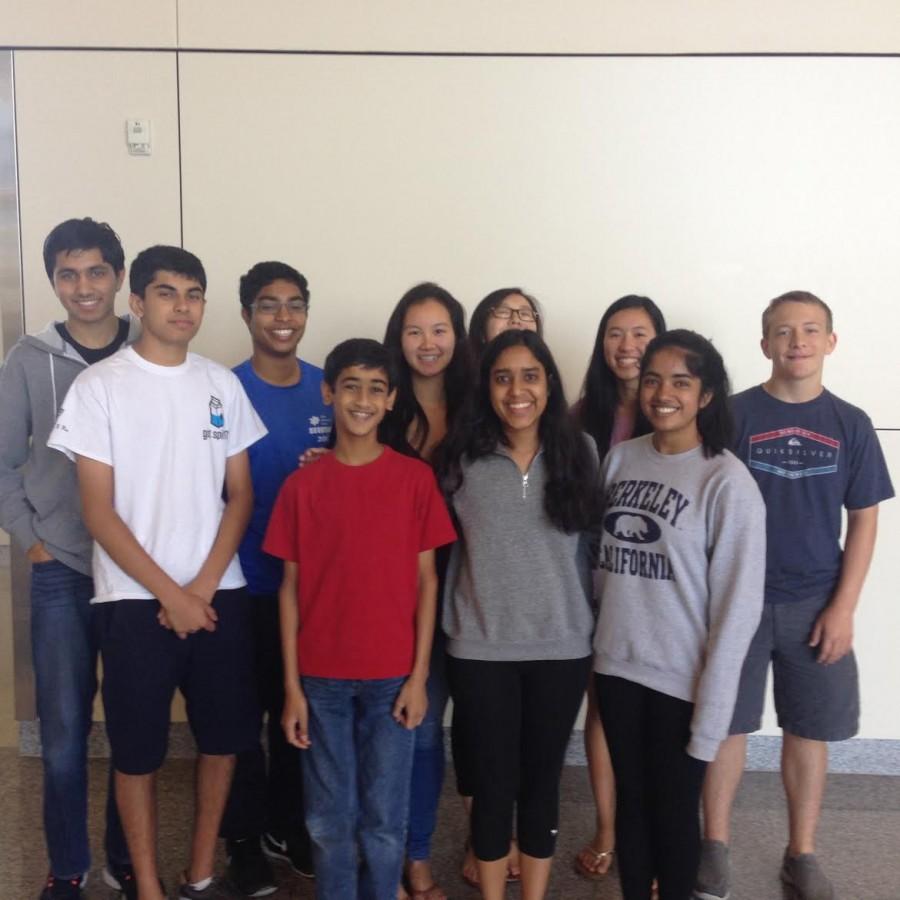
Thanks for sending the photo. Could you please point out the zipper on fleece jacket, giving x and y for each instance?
(524, 476)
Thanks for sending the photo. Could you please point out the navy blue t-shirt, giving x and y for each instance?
(809, 460)
(297, 419)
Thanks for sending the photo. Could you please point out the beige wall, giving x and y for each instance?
(567, 26)
(710, 184)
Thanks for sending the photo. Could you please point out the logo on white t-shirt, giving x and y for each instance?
(216, 412)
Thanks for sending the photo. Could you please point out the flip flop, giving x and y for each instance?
(596, 856)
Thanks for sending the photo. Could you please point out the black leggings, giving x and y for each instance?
(657, 788)
(513, 720)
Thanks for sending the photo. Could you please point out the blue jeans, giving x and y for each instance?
(65, 671)
(428, 759)
(356, 777)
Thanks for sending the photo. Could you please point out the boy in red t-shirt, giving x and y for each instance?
(357, 532)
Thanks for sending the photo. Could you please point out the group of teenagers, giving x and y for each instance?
(335, 552)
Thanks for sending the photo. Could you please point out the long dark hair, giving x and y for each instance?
(482, 312)
(570, 493)
(596, 410)
(714, 421)
(457, 376)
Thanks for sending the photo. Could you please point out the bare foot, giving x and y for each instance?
(420, 880)
(470, 866)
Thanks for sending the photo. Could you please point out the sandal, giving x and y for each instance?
(588, 862)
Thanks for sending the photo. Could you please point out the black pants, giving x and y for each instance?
(657, 788)
(514, 720)
(262, 800)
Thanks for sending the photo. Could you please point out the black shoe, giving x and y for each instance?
(62, 888)
(293, 848)
(121, 879)
(248, 869)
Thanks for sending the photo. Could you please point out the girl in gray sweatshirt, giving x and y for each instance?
(679, 581)
(517, 609)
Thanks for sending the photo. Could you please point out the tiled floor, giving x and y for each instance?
(859, 838)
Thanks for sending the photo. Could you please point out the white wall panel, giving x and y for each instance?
(878, 618)
(709, 184)
(567, 26)
(88, 23)
(71, 110)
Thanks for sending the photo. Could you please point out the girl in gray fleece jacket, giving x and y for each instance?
(679, 580)
(517, 609)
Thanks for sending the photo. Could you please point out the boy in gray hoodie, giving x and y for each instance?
(40, 508)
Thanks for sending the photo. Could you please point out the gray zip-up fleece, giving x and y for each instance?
(518, 588)
(38, 488)
(680, 578)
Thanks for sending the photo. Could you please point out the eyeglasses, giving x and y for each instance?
(269, 307)
(525, 314)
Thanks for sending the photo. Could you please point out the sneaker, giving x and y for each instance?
(248, 868)
(293, 848)
(121, 879)
(217, 889)
(803, 876)
(714, 872)
(63, 888)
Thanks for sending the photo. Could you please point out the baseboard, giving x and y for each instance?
(859, 756)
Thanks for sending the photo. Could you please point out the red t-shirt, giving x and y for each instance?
(355, 533)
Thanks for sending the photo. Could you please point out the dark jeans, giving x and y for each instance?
(260, 799)
(65, 672)
(428, 758)
(657, 788)
(514, 721)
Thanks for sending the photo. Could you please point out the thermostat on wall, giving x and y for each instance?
(138, 136)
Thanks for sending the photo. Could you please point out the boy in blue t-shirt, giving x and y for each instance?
(812, 455)
(264, 810)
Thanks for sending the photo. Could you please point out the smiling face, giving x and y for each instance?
(361, 398)
(626, 337)
(86, 285)
(277, 319)
(518, 390)
(798, 341)
(427, 339)
(671, 397)
(170, 311)
(506, 314)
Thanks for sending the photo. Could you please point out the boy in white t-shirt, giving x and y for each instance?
(157, 433)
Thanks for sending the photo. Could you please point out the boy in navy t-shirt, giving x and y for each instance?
(264, 808)
(357, 532)
(812, 455)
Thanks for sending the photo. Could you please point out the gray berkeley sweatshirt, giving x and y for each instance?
(517, 587)
(38, 488)
(679, 578)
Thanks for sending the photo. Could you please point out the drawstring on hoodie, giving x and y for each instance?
(53, 384)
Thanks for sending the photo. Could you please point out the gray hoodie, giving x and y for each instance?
(518, 588)
(680, 578)
(38, 488)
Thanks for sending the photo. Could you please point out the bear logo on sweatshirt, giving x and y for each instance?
(632, 527)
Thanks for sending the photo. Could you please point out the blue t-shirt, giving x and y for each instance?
(809, 460)
(297, 419)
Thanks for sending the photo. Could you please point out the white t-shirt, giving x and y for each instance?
(167, 431)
